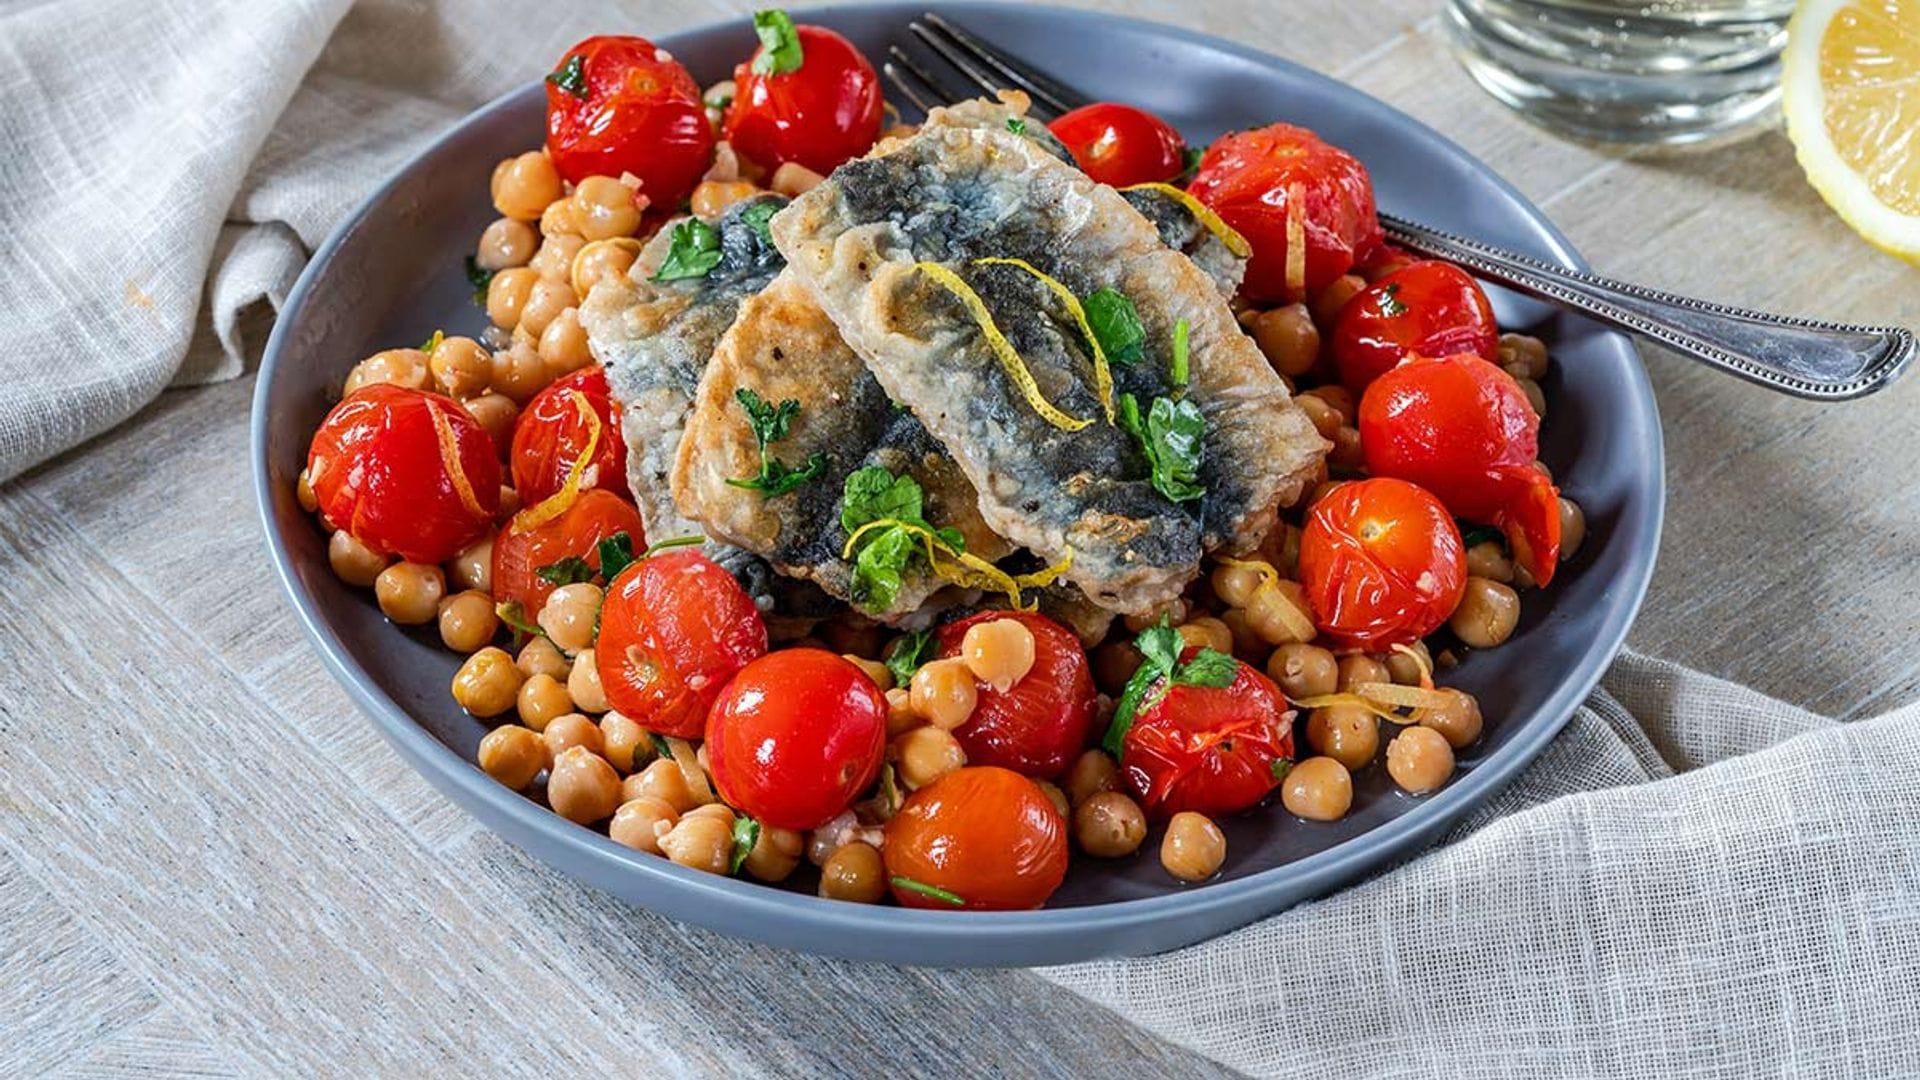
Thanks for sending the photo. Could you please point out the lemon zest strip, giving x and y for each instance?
(1202, 213)
(561, 501)
(1009, 357)
(450, 461)
(1102, 369)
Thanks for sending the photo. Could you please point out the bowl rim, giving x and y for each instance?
(1312, 875)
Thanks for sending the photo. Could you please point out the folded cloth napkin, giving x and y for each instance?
(1692, 879)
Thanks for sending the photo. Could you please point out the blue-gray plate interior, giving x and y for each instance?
(392, 273)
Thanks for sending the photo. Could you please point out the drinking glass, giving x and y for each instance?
(1668, 71)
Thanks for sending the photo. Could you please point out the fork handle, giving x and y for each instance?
(1820, 361)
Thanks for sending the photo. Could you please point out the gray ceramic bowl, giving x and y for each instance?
(391, 273)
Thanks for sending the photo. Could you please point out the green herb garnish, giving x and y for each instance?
(480, 279)
(1116, 325)
(770, 424)
(1189, 163)
(1180, 370)
(756, 214)
(671, 542)
(616, 554)
(746, 833)
(779, 43)
(907, 653)
(694, 252)
(516, 619)
(568, 571)
(1016, 125)
(571, 76)
(1160, 670)
(1480, 534)
(1172, 436)
(1390, 300)
(1279, 767)
(925, 889)
(873, 494)
(433, 342)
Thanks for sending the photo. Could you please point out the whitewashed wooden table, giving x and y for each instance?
(211, 866)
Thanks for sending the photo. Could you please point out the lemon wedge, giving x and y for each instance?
(1851, 94)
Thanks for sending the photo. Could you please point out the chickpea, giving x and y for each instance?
(1488, 559)
(518, 372)
(793, 179)
(1234, 585)
(1320, 491)
(1090, 774)
(396, 367)
(1057, 797)
(1459, 721)
(546, 300)
(713, 197)
(487, 683)
(524, 185)
(1288, 338)
(467, 621)
(554, 260)
(600, 261)
(1487, 614)
(1325, 418)
(582, 787)
(354, 562)
(1419, 759)
(1278, 612)
(1536, 397)
(540, 657)
(1194, 847)
(1246, 643)
(900, 715)
(1573, 527)
(775, 854)
(1406, 670)
(1173, 611)
(1357, 669)
(507, 295)
(1348, 734)
(1113, 664)
(1206, 632)
(494, 412)
(505, 244)
(568, 730)
(513, 755)
(640, 823)
(663, 780)
(1346, 452)
(1304, 671)
(409, 593)
(854, 872)
(621, 741)
(509, 503)
(944, 692)
(559, 220)
(1524, 351)
(998, 652)
(1339, 398)
(303, 491)
(1283, 546)
(1109, 825)
(583, 684)
(702, 842)
(570, 614)
(1317, 789)
(851, 634)
(717, 811)
(603, 208)
(541, 700)
(926, 754)
(1329, 301)
(460, 366)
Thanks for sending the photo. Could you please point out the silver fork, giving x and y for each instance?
(1806, 358)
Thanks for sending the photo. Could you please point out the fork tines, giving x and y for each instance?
(986, 68)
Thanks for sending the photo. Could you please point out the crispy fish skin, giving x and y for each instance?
(782, 346)
(956, 193)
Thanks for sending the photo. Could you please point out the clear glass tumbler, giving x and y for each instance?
(1667, 71)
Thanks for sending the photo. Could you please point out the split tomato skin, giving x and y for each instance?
(1429, 308)
(673, 630)
(796, 737)
(1463, 429)
(519, 553)
(551, 434)
(1212, 750)
(408, 473)
(1382, 564)
(1277, 180)
(640, 113)
(985, 834)
(818, 115)
(1121, 145)
(1037, 726)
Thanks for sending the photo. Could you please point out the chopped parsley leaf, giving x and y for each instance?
(1016, 125)
(925, 889)
(907, 653)
(480, 279)
(616, 554)
(779, 43)
(1390, 301)
(756, 215)
(746, 833)
(695, 251)
(1180, 372)
(770, 424)
(1160, 670)
(571, 76)
(873, 494)
(1116, 325)
(568, 571)
(1172, 436)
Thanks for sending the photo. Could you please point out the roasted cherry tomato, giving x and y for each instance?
(405, 472)
(796, 737)
(1463, 429)
(1382, 563)
(984, 836)
(1120, 145)
(818, 114)
(1431, 308)
(552, 433)
(1038, 725)
(618, 104)
(519, 553)
(673, 629)
(1212, 750)
(1279, 183)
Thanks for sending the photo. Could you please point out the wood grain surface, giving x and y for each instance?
(211, 866)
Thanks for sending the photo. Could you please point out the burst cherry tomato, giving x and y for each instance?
(1120, 145)
(405, 472)
(1429, 307)
(796, 737)
(1282, 181)
(818, 114)
(673, 630)
(1463, 429)
(552, 433)
(1212, 750)
(619, 104)
(1036, 726)
(986, 835)
(1382, 564)
(519, 553)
